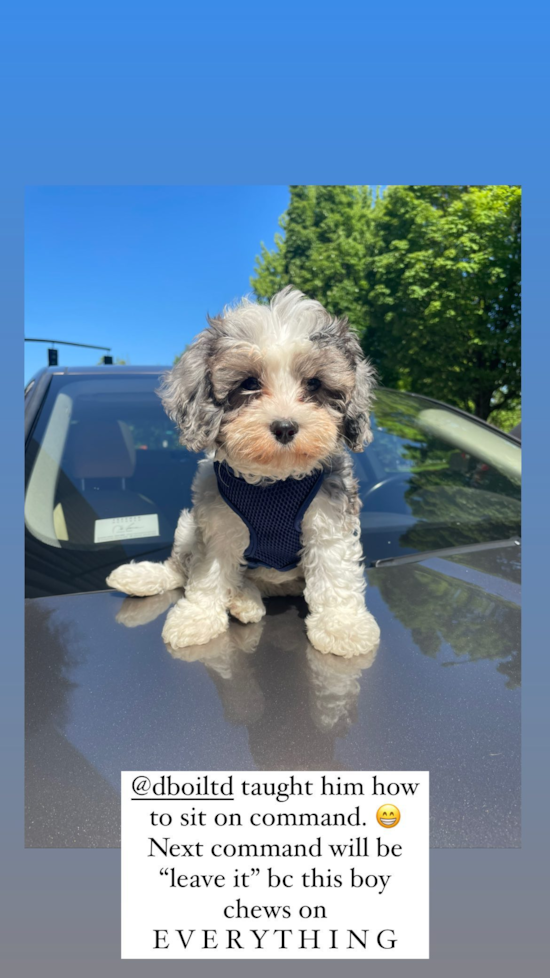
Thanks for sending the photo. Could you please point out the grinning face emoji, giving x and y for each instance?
(388, 816)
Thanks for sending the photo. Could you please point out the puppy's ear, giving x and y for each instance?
(186, 394)
(357, 431)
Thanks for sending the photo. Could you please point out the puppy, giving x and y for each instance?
(274, 394)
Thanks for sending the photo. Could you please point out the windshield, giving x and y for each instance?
(107, 478)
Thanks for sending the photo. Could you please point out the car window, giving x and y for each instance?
(107, 478)
(434, 478)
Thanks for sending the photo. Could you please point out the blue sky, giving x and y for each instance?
(138, 268)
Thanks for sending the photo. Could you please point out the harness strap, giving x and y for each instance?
(273, 514)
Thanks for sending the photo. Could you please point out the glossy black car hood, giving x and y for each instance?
(441, 693)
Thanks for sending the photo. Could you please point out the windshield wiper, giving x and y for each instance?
(466, 548)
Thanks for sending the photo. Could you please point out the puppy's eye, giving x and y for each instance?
(313, 384)
(251, 384)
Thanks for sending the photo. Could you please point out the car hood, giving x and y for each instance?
(440, 693)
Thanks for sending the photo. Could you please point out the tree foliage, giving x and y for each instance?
(429, 276)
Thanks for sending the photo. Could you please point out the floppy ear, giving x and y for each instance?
(357, 431)
(187, 397)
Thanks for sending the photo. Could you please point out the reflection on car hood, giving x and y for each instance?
(441, 693)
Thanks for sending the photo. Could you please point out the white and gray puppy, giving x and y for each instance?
(274, 394)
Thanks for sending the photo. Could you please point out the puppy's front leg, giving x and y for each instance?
(202, 613)
(215, 575)
(338, 620)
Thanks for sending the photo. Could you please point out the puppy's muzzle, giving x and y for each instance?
(284, 431)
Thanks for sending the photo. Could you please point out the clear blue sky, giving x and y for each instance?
(138, 268)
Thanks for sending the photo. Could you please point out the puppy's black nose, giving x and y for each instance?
(284, 431)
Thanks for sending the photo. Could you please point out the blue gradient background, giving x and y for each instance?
(301, 93)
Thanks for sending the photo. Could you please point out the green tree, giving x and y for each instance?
(444, 294)
(326, 240)
(429, 276)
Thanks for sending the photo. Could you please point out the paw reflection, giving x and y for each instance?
(220, 651)
(294, 699)
(140, 611)
(335, 687)
(229, 663)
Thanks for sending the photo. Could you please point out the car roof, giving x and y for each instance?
(105, 368)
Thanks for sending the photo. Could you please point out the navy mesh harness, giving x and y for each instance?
(272, 512)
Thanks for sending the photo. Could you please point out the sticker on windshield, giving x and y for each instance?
(126, 528)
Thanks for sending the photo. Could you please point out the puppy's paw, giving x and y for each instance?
(215, 654)
(188, 624)
(144, 578)
(343, 632)
(247, 605)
